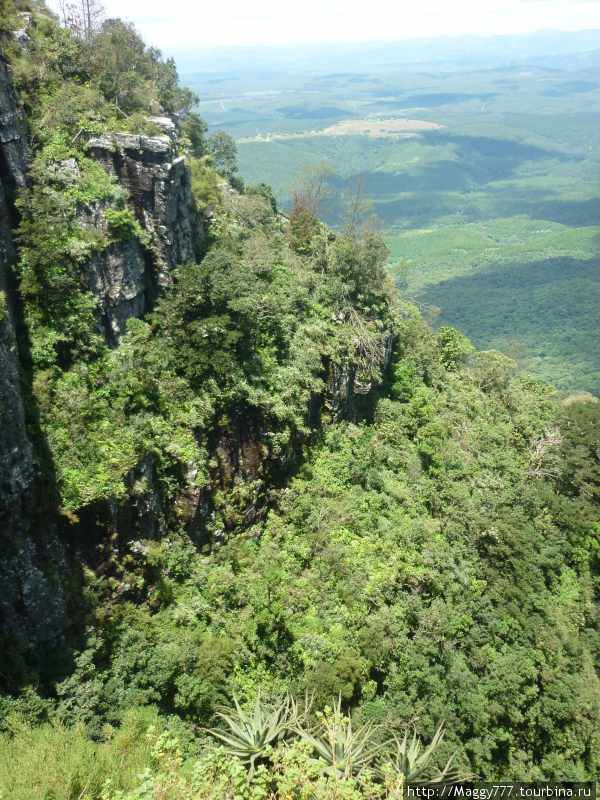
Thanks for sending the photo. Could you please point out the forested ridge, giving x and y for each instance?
(281, 540)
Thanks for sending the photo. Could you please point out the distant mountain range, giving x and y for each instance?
(550, 48)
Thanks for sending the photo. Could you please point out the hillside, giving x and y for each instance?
(265, 531)
(499, 196)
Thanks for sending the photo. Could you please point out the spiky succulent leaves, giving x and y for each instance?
(345, 750)
(414, 764)
(248, 735)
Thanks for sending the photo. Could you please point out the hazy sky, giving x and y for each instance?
(183, 24)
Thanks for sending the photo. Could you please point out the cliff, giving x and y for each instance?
(32, 605)
(16, 454)
(405, 526)
(127, 277)
(196, 417)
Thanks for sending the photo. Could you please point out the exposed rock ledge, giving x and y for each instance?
(16, 455)
(126, 278)
(159, 186)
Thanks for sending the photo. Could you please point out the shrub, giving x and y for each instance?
(122, 224)
(251, 735)
(345, 750)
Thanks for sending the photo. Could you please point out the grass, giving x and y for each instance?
(56, 762)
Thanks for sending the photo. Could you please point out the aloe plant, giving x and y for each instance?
(248, 735)
(413, 763)
(345, 750)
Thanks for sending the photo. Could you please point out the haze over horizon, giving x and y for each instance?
(268, 23)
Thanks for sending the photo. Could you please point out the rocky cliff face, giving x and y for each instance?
(32, 607)
(16, 454)
(127, 277)
(158, 183)
(122, 279)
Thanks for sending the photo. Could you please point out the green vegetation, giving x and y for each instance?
(73, 87)
(525, 287)
(59, 760)
(345, 751)
(252, 735)
(60, 309)
(321, 548)
(3, 306)
(223, 150)
(296, 769)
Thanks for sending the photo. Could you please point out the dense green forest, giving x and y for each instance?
(311, 548)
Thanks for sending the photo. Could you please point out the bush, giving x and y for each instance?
(122, 224)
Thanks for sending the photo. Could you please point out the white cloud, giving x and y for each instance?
(181, 24)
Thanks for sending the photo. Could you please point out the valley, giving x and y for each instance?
(484, 178)
(272, 529)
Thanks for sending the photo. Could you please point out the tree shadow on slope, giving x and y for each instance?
(542, 205)
(424, 208)
(551, 306)
(478, 161)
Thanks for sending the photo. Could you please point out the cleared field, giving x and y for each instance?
(380, 127)
(375, 128)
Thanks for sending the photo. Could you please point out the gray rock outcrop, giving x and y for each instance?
(121, 277)
(127, 276)
(159, 186)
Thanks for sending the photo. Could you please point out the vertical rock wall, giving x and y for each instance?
(126, 278)
(32, 605)
(16, 454)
